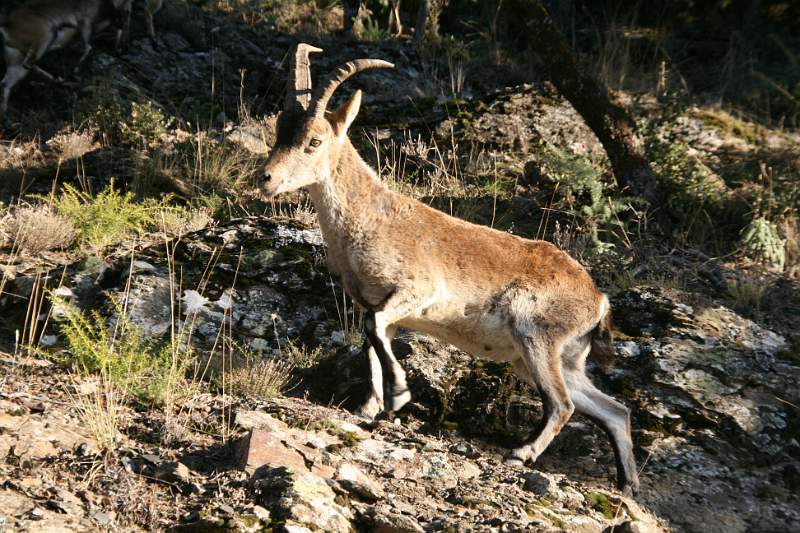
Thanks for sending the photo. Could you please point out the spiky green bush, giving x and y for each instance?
(761, 242)
(145, 125)
(119, 354)
(580, 190)
(109, 217)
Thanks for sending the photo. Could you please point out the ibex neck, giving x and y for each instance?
(353, 192)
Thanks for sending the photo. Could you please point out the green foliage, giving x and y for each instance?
(599, 502)
(691, 183)
(761, 242)
(694, 195)
(103, 110)
(372, 31)
(106, 218)
(119, 354)
(142, 124)
(578, 189)
(145, 125)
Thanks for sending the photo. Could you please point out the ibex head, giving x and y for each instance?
(309, 138)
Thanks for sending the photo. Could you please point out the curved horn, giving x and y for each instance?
(298, 86)
(324, 92)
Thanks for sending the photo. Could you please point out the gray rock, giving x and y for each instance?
(305, 500)
(539, 484)
(355, 481)
(385, 520)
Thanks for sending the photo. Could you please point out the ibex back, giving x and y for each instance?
(490, 293)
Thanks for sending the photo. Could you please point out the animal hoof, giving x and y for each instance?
(397, 401)
(630, 490)
(369, 410)
(513, 460)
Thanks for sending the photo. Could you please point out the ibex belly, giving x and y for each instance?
(478, 331)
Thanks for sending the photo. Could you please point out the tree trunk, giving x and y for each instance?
(422, 21)
(608, 120)
(350, 14)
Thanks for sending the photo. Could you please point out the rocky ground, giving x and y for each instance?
(713, 393)
(714, 419)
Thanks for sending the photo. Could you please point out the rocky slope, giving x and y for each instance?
(714, 417)
(713, 394)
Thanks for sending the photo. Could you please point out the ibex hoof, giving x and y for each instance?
(397, 401)
(369, 410)
(519, 456)
(512, 460)
(629, 490)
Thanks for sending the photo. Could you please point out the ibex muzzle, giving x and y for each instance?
(490, 293)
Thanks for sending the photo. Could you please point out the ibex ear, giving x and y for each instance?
(345, 115)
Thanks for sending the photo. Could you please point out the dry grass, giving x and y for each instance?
(300, 355)
(21, 155)
(33, 229)
(71, 145)
(789, 229)
(221, 166)
(746, 293)
(180, 221)
(99, 412)
(262, 378)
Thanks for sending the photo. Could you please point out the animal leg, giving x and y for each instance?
(394, 14)
(153, 6)
(380, 329)
(34, 55)
(14, 75)
(541, 364)
(614, 419)
(380, 333)
(85, 31)
(374, 403)
(15, 72)
(124, 36)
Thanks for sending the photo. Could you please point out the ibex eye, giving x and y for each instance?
(314, 143)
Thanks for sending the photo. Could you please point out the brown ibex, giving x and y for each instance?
(40, 26)
(487, 292)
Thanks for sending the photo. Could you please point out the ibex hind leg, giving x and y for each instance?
(540, 364)
(613, 418)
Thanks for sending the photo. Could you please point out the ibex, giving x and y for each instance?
(490, 293)
(40, 26)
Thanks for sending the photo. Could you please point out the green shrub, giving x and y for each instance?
(577, 188)
(694, 194)
(103, 110)
(145, 125)
(761, 242)
(106, 218)
(119, 354)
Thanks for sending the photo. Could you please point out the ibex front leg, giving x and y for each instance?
(380, 329)
(374, 403)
